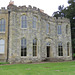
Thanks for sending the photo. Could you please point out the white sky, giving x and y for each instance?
(49, 6)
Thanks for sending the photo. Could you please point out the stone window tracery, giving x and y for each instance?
(59, 29)
(24, 21)
(68, 49)
(2, 25)
(2, 46)
(66, 29)
(60, 49)
(35, 47)
(34, 22)
(48, 28)
(23, 47)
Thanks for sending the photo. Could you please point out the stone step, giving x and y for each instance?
(53, 59)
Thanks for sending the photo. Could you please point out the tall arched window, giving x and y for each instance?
(60, 49)
(59, 29)
(24, 21)
(23, 47)
(48, 28)
(2, 46)
(35, 47)
(2, 25)
(34, 22)
(68, 49)
(66, 29)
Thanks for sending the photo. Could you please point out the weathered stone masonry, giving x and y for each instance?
(16, 33)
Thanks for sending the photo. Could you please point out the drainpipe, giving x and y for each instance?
(8, 35)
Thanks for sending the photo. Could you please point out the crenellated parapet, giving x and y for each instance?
(62, 20)
(34, 10)
(3, 10)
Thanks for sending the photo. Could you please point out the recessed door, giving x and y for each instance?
(48, 51)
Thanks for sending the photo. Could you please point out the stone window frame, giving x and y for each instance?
(67, 27)
(60, 49)
(68, 49)
(24, 43)
(2, 25)
(48, 28)
(59, 29)
(34, 47)
(34, 21)
(24, 20)
(14, 18)
(2, 45)
(48, 44)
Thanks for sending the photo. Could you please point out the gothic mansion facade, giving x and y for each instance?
(28, 35)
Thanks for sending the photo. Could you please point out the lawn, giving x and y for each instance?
(56, 68)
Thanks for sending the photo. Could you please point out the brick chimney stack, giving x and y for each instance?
(42, 10)
(11, 2)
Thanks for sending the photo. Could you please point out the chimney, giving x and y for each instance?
(42, 10)
(11, 2)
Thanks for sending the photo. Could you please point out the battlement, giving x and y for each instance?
(34, 10)
(3, 10)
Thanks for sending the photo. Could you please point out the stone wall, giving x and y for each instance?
(4, 35)
(16, 33)
(13, 40)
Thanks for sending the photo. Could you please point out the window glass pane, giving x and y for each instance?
(22, 42)
(34, 41)
(67, 29)
(25, 24)
(2, 49)
(0, 28)
(59, 29)
(0, 22)
(34, 18)
(2, 25)
(48, 44)
(24, 21)
(34, 47)
(2, 46)
(47, 28)
(68, 49)
(34, 22)
(25, 42)
(23, 47)
(34, 51)
(60, 49)
(60, 44)
(2, 41)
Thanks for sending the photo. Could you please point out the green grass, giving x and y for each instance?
(2, 63)
(58, 68)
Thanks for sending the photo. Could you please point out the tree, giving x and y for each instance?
(59, 13)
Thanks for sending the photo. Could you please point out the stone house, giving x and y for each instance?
(29, 35)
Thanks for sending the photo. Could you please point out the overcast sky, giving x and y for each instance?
(49, 6)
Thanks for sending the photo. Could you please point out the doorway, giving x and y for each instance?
(48, 51)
